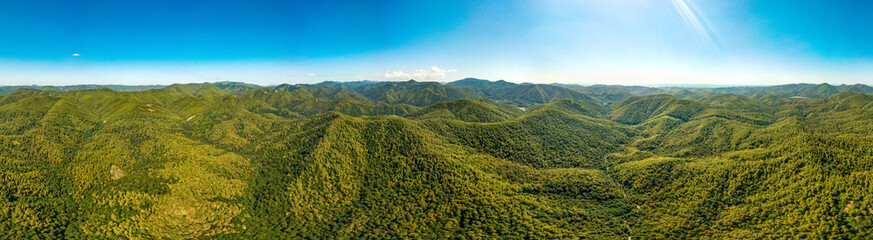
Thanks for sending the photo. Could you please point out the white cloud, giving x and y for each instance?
(310, 74)
(397, 74)
(75, 54)
(434, 73)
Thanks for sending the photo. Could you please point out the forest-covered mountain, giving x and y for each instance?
(472, 159)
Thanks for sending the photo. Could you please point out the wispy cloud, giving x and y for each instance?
(434, 73)
(311, 75)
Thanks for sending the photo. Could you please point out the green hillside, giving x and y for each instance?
(580, 107)
(521, 95)
(420, 160)
(638, 109)
(467, 110)
(528, 95)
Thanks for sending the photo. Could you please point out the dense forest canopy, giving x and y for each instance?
(471, 159)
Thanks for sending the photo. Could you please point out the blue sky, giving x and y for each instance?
(644, 42)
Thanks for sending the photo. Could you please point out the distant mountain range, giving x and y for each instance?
(524, 95)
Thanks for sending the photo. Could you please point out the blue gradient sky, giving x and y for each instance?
(644, 42)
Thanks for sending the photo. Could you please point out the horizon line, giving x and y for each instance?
(663, 85)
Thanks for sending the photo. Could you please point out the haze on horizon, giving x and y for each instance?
(631, 42)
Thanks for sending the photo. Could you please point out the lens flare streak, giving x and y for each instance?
(697, 22)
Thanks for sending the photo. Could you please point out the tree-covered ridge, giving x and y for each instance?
(331, 160)
(783, 91)
(120, 88)
(481, 84)
(423, 94)
(522, 95)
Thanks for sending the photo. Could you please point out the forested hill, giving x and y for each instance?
(471, 159)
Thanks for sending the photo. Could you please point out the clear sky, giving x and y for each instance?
(647, 42)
